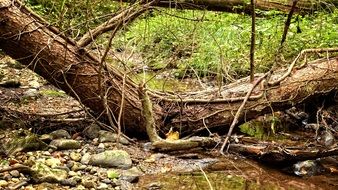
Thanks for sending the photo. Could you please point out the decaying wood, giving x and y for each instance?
(274, 153)
(69, 67)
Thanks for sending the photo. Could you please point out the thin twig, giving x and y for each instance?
(286, 74)
(206, 177)
(288, 22)
(240, 109)
(253, 41)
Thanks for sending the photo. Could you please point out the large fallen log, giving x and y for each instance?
(59, 60)
(242, 6)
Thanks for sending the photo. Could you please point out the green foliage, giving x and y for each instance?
(220, 42)
(192, 41)
(73, 17)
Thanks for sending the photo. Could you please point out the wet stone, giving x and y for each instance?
(63, 144)
(308, 168)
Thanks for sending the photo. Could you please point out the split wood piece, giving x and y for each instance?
(275, 153)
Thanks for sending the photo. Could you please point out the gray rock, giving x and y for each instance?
(59, 134)
(53, 162)
(125, 185)
(107, 181)
(31, 94)
(107, 136)
(47, 138)
(88, 183)
(70, 164)
(15, 173)
(72, 173)
(85, 158)
(101, 146)
(3, 183)
(102, 186)
(69, 182)
(111, 158)
(131, 175)
(7, 177)
(63, 144)
(77, 167)
(65, 168)
(75, 156)
(91, 131)
(47, 174)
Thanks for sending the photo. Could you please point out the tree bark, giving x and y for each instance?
(243, 6)
(61, 62)
(27, 39)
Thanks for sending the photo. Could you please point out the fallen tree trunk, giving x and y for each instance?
(60, 61)
(242, 6)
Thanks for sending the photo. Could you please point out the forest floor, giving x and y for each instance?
(47, 131)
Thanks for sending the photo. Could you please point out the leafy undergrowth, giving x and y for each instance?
(219, 43)
(193, 43)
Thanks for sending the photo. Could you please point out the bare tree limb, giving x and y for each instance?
(253, 41)
(120, 20)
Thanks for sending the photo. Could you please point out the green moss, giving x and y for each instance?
(53, 93)
(24, 141)
(113, 174)
(264, 129)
